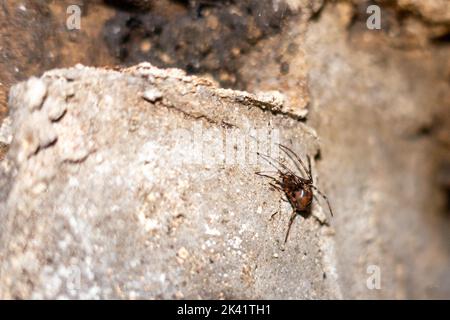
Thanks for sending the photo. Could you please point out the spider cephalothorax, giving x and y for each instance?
(298, 190)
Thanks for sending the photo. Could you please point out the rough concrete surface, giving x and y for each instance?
(109, 199)
(140, 182)
(379, 107)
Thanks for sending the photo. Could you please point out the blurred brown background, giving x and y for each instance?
(379, 100)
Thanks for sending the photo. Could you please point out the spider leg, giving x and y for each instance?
(263, 174)
(276, 183)
(277, 187)
(270, 161)
(291, 153)
(273, 215)
(317, 199)
(291, 220)
(285, 150)
(309, 168)
(268, 174)
(325, 197)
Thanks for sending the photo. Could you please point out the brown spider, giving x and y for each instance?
(298, 190)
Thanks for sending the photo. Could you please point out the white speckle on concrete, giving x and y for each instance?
(73, 182)
(243, 228)
(6, 132)
(98, 158)
(183, 253)
(134, 263)
(39, 188)
(36, 92)
(235, 242)
(212, 231)
(147, 223)
(152, 95)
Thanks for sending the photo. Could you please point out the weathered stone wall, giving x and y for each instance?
(124, 184)
(122, 180)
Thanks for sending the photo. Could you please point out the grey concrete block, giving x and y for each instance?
(115, 192)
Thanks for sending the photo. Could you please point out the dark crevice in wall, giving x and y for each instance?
(201, 37)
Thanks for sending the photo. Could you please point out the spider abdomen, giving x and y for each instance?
(301, 199)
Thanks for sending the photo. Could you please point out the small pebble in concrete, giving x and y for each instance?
(152, 95)
(183, 253)
(36, 92)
